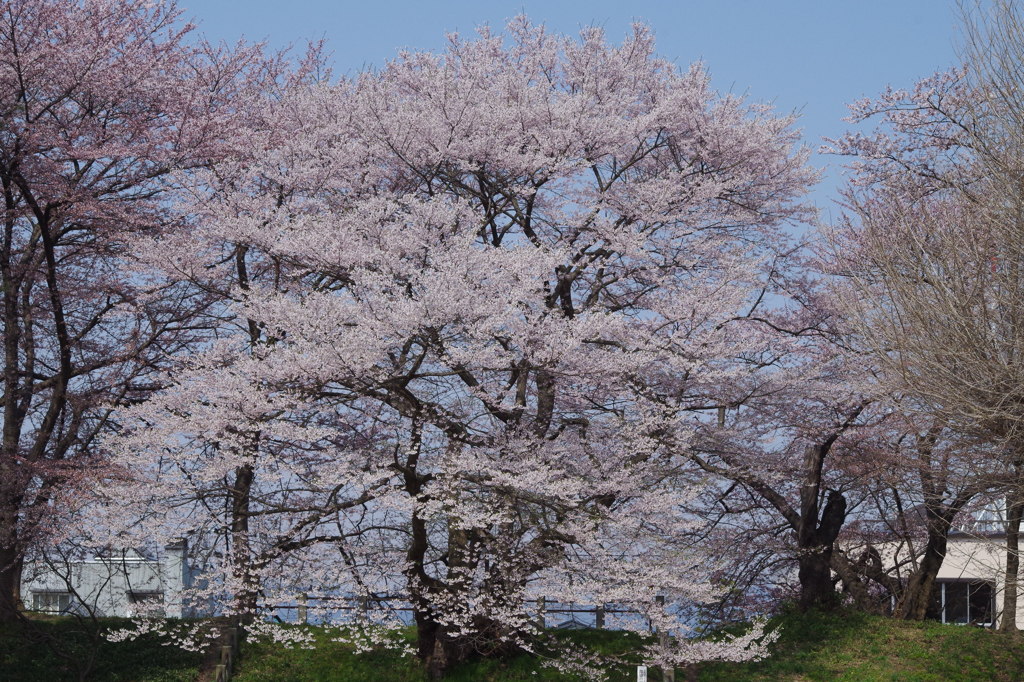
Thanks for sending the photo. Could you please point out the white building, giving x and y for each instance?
(969, 586)
(113, 584)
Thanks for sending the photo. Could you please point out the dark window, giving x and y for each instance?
(962, 601)
(957, 604)
(979, 599)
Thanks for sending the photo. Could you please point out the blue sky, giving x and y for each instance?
(812, 56)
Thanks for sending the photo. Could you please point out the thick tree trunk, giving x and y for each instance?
(436, 647)
(241, 491)
(441, 646)
(14, 417)
(815, 542)
(816, 537)
(446, 652)
(419, 581)
(916, 597)
(1015, 510)
(441, 650)
(432, 647)
(815, 573)
(914, 605)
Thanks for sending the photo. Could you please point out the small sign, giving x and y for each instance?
(641, 673)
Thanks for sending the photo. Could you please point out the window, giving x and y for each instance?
(963, 601)
(51, 602)
(145, 597)
(151, 602)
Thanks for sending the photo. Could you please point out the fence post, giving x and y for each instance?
(667, 674)
(599, 617)
(540, 612)
(303, 608)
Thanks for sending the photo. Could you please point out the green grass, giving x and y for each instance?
(844, 646)
(335, 662)
(58, 649)
(855, 647)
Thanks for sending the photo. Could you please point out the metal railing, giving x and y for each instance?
(595, 616)
(542, 609)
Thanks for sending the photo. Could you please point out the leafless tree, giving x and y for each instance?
(934, 246)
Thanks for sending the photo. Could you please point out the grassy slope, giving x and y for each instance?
(333, 662)
(845, 646)
(855, 647)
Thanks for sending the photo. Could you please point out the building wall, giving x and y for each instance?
(980, 559)
(968, 559)
(121, 586)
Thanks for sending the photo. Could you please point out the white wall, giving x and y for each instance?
(980, 559)
(102, 585)
(967, 558)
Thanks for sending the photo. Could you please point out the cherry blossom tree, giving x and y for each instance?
(794, 431)
(494, 287)
(105, 108)
(834, 481)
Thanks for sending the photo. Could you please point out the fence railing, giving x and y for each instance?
(542, 609)
(595, 616)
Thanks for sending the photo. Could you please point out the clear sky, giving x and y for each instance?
(812, 56)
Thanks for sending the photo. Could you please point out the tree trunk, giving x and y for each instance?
(815, 542)
(1015, 509)
(436, 647)
(241, 559)
(913, 605)
(441, 650)
(447, 652)
(816, 537)
(11, 474)
(241, 491)
(420, 583)
(11, 563)
(444, 650)
(439, 645)
(856, 576)
(426, 631)
(816, 589)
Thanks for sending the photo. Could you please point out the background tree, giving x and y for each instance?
(103, 105)
(933, 247)
(924, 478)
(799, 435)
